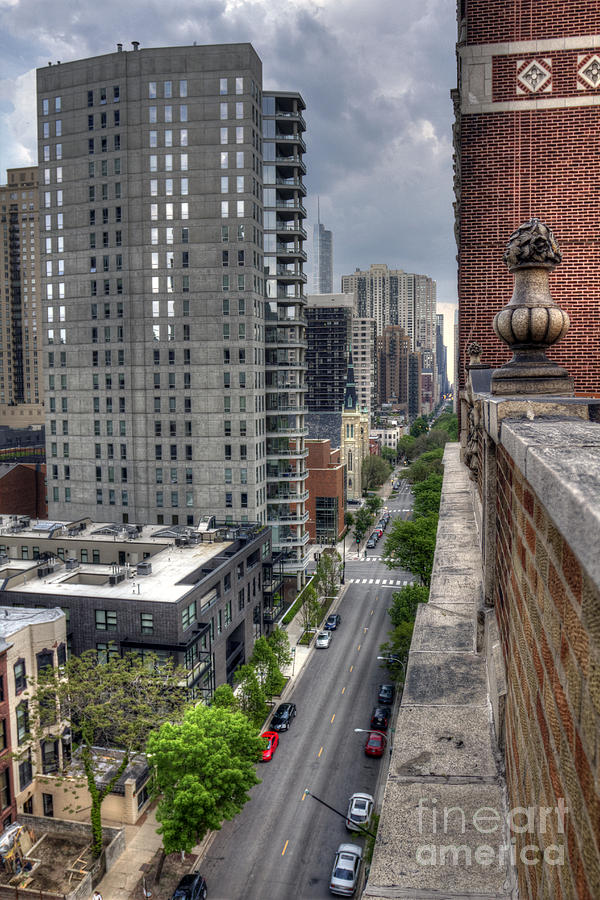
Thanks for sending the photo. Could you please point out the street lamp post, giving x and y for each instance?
(396, 659)
(373, 731)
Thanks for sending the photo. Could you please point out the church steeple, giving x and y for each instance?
(350, 396)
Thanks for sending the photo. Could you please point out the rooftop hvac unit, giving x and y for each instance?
(42, 571)
(72, 563)
(144, 568)
(117, 579)
(181, 541)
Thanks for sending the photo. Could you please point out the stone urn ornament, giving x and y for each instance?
(531, 322)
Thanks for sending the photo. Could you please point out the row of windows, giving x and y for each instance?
(57, 104)
(168, 187)
(100, 167)
(57, 129)
(165, 139)
(167, 113)
(168, 235)
(166, 91)
(101, 145)
(102, 120)
(174, 498)
(105, 214)
(108, 287)
(167, 162)
(117, 262)
(118, 239)
(102, 94)
(102, 194)
(169, 211)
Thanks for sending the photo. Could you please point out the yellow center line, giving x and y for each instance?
(351, 667)
(358, 648)
(372, 611)
(303, 797)
(365, 629)
(320, 751)
(343, 689)
(332, 718)
(284, 848)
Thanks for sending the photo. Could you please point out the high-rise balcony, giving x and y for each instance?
(292, 115)
(290, 250)
(288, 518)
(291, 226)
(291, 539)
(291, 160)
(290, 453)
(285, 496)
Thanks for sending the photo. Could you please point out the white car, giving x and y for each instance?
(360, 808)
(323, 639)
(346, 867)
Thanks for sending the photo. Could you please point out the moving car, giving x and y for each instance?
(346, 867)
(284, 714)
(385, 694)
(380, 717)
(191, 887)
(333, 621)
(360, 807)
(323, 639)
(272, 741)
(375, 744)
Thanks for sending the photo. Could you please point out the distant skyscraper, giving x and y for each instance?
(441, 355)
(393, 348)
(179, 385)
(395, 297)
(20, 295)
(322, 259)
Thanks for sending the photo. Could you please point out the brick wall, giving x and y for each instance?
(524, 20)
(23, 491)
(549, 617)
(541, 163)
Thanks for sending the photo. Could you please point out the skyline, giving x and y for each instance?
(379, 113)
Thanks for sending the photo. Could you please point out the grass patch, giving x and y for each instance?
(306, 638)
(370, 841)
(294, 608)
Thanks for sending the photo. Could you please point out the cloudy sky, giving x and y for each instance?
(375, 75)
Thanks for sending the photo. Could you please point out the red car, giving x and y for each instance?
(375, 744)
(273, 740)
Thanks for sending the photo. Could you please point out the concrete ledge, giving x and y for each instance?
(560, 458)
(444, 753)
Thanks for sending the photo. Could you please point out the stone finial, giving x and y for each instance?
(474, 350)
(531, 322)
(532, 245)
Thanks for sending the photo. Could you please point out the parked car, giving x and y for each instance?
(375, 744)
(272, 741)
(360, 808)
(332, 621)
(346, 867)
(191, 887)
(385, 694)
(371, 543)
(380, 717)
(284, 714)
(323, 640)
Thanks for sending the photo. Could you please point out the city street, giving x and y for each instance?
(282, 845)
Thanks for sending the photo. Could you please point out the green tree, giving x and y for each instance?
(224, 698)
(449, 422)
(411, 546)
(375, 471)
(280, 642)
(310, 611)
(111, 704)
(419, 426)
(405, 446)
(427, 496)
(405, 603)
(264, 661)
(374, 503)
(250, 695)
(204, 768)
(398, 646)
(427, 464)
(388, 454)
(348, 519)
(328, 574)
(362, 522)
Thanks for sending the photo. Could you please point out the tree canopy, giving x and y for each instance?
(411, 546)
(419, 426)
(375, 471)
(427, 495)
(204, 768)
(113, 704)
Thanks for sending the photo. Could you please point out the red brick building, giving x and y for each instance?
(23, 490)
(527, 140)
(327, 492)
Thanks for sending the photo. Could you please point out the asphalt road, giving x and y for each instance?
(282, 844)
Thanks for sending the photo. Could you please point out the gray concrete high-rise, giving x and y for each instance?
(156, 317)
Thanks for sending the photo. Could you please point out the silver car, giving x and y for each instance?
(323, 639)
(360, 807)
(346, 868)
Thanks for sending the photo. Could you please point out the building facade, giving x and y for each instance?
(329, 335)
(326, 492)
(21, 361)
(527, 115)
(156, 300)
(393, 349)
(354, 437)
(441, 356)
(364, 354)
(285, 375)
(395, 297)
(196, 597)
(322, 279)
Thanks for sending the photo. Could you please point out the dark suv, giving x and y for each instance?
(191, 887)
(284, 714)
(380, 717)
(333, 621)
(385, 694)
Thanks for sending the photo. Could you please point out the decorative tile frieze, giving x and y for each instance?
(588, 72)
(534, 76)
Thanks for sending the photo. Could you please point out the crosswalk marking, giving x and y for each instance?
(364, 581)
(378, 581)
(370, 581)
